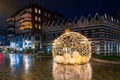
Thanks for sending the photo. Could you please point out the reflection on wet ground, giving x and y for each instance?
(72, 72)
(105, 71)
(26, 67)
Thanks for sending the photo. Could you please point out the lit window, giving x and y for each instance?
(39, 19)
(39, 11)
(35, 25)
(36, 10)
(36, 18)
(39, 27)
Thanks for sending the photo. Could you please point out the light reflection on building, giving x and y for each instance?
(72, 72)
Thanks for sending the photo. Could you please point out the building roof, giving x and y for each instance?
(30, 5)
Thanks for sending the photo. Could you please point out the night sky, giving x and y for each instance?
(69, 8)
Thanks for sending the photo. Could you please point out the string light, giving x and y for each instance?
(71, 48)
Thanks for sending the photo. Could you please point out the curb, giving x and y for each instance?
(105, 61)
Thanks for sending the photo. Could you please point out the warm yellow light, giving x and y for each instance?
(26, 25)
(71, 48)
(72, 72)
(67, 30)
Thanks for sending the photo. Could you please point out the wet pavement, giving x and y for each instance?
(26, 67)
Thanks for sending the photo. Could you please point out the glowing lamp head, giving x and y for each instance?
(71, 48)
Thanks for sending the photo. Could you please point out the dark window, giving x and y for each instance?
(82, 32)
(37, 37)
(89, 33)
(97, 33)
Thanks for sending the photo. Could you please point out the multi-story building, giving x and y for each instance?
(35, 27)
(102, 31)
(26, 25)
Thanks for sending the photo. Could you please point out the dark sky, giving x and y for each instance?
(69, 8)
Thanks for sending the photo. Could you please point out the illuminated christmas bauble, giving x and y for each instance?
(71, 48)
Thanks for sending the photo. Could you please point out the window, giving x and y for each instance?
(3, 37)
(36, 18)
(89, 33)
(45, 14)
(35, 25)
(37, 37)
(36, 10)
(39, 11)
(39, 19)
(82, 32)
(48, 15)
(97, 33)
(39, 27)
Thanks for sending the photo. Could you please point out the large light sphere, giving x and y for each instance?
(71, 48)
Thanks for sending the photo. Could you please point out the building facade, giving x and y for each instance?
(25, 26)
(102, 31)
(35, 27)
(3, 39)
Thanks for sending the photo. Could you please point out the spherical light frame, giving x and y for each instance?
(71, 48)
